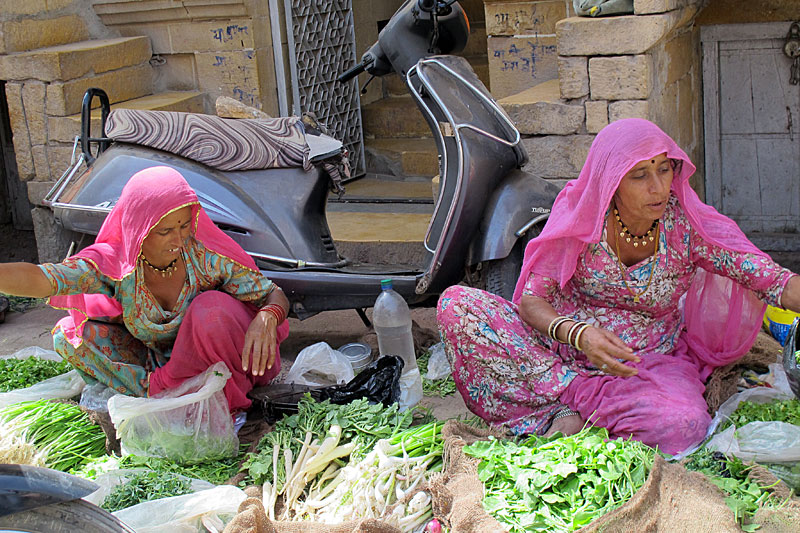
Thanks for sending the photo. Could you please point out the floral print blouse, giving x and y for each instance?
(142, 315)
(596, 293)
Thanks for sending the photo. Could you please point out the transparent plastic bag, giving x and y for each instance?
(207, 510)
(108, 480)
(96, 396)
(64, 386)
(188, 424)
(438, 365)
(319, 364)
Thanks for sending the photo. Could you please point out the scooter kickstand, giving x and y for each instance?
(363, 316)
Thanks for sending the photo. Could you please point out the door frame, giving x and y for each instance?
(710, 39)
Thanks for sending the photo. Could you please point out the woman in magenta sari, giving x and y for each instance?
(630, 297)
(162, 295)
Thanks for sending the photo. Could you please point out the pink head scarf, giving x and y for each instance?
(578, 217)
(149, 196)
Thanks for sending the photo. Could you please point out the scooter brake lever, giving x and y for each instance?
(364, 88)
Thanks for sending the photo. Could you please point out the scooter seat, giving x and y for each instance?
(221, 143)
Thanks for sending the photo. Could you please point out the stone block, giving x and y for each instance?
(30, 34)
(58, 156)
(647, 7)
(233, 74)
(557, 156)
(681, 57)
(596, 115)
(158, 33)
(33, 99)
(73, 60)
(620, 78)
(515, 18)
(628, 35)
(19, 129)
(64, 98)
(394, 117)
(41, 163)
(539, 111)
(521, 62)
(573, 76)
(176, 73)
(212, 36)
(64, 129)
(24, 7)
(37, 190)
(628, 109)
(122, 12)
(227, 107)
(52, 240)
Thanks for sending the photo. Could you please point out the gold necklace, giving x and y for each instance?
(636, 295)
(635, 238)
(167, 271)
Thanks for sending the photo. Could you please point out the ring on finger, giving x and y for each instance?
(604, 367)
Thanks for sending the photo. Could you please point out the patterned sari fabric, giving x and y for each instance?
(515, 377)
(117, 332)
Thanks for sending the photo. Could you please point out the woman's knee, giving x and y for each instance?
(213, 306)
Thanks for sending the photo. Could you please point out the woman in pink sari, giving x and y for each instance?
(162, 295)
(629, 298)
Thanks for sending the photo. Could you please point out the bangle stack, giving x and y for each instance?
(275, 310)
(573, 334)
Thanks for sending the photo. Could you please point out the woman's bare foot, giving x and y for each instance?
(567, 425)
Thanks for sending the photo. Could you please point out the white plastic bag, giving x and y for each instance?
(108, 480)
(410, 389)
(64, 386)
(319, 364)
(210, 509)
(96, 396)
(764, 442)
(438, 365)
(188, 424)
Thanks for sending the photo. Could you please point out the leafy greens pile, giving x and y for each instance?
(560, 484)
(22, 373)
(778, 411)
(145, 486)
(434, 387)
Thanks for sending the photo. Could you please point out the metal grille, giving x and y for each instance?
(321, 46)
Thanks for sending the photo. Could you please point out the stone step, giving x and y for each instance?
(540, 111)
(64, 129)
(402, 157)
(32, 33)
(415, 189)
(64, 98)
(74, 60)
(394, 117)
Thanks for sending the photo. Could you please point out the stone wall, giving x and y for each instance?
(522, 43)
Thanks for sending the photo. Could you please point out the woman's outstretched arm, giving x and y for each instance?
(24, 279)
(790, 298)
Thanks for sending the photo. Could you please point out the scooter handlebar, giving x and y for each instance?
(351, 73)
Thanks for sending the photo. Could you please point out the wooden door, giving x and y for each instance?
(752, 131)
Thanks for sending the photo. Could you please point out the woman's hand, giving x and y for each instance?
(260, 344)
(603, 348)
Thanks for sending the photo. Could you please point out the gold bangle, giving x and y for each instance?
(578, 337)
(554, 325)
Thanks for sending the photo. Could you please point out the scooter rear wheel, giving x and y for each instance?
(64, 517)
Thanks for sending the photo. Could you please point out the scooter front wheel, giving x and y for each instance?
(63, 517)
(501, 275)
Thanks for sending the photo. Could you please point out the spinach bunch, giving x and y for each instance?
(145, 486)
(777, 411)
(442, 387)
(21, 373)
(560, 484)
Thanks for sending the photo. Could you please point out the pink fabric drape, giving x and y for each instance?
(213, 330)
(149, 196)
(722, 318)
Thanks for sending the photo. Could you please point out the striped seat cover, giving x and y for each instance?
(221, 143)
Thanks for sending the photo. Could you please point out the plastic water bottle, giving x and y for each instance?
(392, 320)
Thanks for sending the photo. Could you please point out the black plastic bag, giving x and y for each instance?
(378, 383)
(790, 365)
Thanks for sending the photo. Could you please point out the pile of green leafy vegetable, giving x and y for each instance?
(742, 495)
(559, 484)
(442, 387)
(21, 373)
(359, 422)
(216, 472)
(143, 487)
(778, 411)
(61, 429)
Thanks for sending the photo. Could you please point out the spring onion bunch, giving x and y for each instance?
(560, 484)
(16, 449)
(61, 430)
(375, 486)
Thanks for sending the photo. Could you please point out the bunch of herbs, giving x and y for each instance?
(441, 387)
(22, 373)
(562, 483)
(143, 487)
(776, 411)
